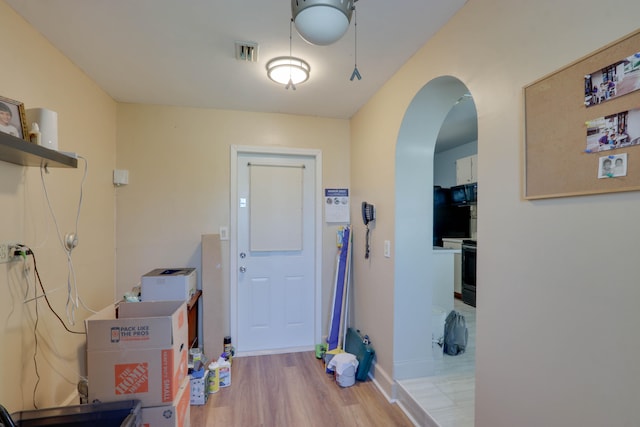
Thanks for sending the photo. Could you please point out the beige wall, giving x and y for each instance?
(556, 315)
(38, 75)
(178, 161)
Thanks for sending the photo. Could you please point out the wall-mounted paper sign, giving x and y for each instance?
(336, 205)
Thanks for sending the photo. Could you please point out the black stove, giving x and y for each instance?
(469, 251)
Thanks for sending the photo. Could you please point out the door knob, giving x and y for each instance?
(243, 269)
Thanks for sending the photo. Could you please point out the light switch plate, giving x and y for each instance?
(224, 233)
(387, 249)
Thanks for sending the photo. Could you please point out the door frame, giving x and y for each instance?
(237, 150)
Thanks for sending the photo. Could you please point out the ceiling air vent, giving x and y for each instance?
(247, 51)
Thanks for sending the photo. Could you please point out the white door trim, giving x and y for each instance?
(233, 235)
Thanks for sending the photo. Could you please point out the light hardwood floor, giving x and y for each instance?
(293, 390)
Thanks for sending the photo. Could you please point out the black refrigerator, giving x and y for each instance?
(449, 220)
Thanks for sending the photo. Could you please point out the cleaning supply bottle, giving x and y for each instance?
(225, 372)
(214, 377)
(228, 350)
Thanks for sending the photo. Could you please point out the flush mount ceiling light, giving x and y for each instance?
(322, 22)
(288, 70)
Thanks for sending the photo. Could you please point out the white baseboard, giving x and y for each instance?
(413, 410)
(384, 383)
(414, 368)
(275, 351)
(408, 414)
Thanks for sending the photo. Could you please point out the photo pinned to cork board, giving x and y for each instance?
(617, 79)
(612, 132)
(12, 118)
(580, 121)
(612, 166)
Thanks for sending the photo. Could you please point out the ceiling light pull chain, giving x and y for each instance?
(355, 73)
(288, 71)
(290, 83)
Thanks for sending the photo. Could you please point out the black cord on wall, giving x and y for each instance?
(28, 251)
(24, 251)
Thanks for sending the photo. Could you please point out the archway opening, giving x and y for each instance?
(414, 354)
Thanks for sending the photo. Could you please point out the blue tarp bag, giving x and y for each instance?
(456, 334)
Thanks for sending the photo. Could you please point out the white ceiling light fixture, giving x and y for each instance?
(322, 22)
(288, 70)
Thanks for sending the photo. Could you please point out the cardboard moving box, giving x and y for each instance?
(140, 354)
(177, 414)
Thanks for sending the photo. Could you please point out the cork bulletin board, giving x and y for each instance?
(568, 116)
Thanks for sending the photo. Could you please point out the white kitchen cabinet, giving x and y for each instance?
(443, 278)
(467, 170)
(454, 243)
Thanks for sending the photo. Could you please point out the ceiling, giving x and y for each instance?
(460, 126)
(182, 53)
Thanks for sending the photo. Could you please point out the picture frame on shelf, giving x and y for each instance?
(12, 118)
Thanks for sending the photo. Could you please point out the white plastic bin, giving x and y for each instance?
(345, 366)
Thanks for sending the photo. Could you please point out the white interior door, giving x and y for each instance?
(275, 252)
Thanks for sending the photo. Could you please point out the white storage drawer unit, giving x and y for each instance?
(167, 284)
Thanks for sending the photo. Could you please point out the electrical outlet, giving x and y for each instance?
(6, 254)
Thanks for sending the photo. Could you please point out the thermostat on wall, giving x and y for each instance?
(120, 177)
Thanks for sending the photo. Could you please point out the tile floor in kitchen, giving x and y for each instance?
(448, 397)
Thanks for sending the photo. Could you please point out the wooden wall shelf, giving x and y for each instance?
(192, 320)
(20, 152)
